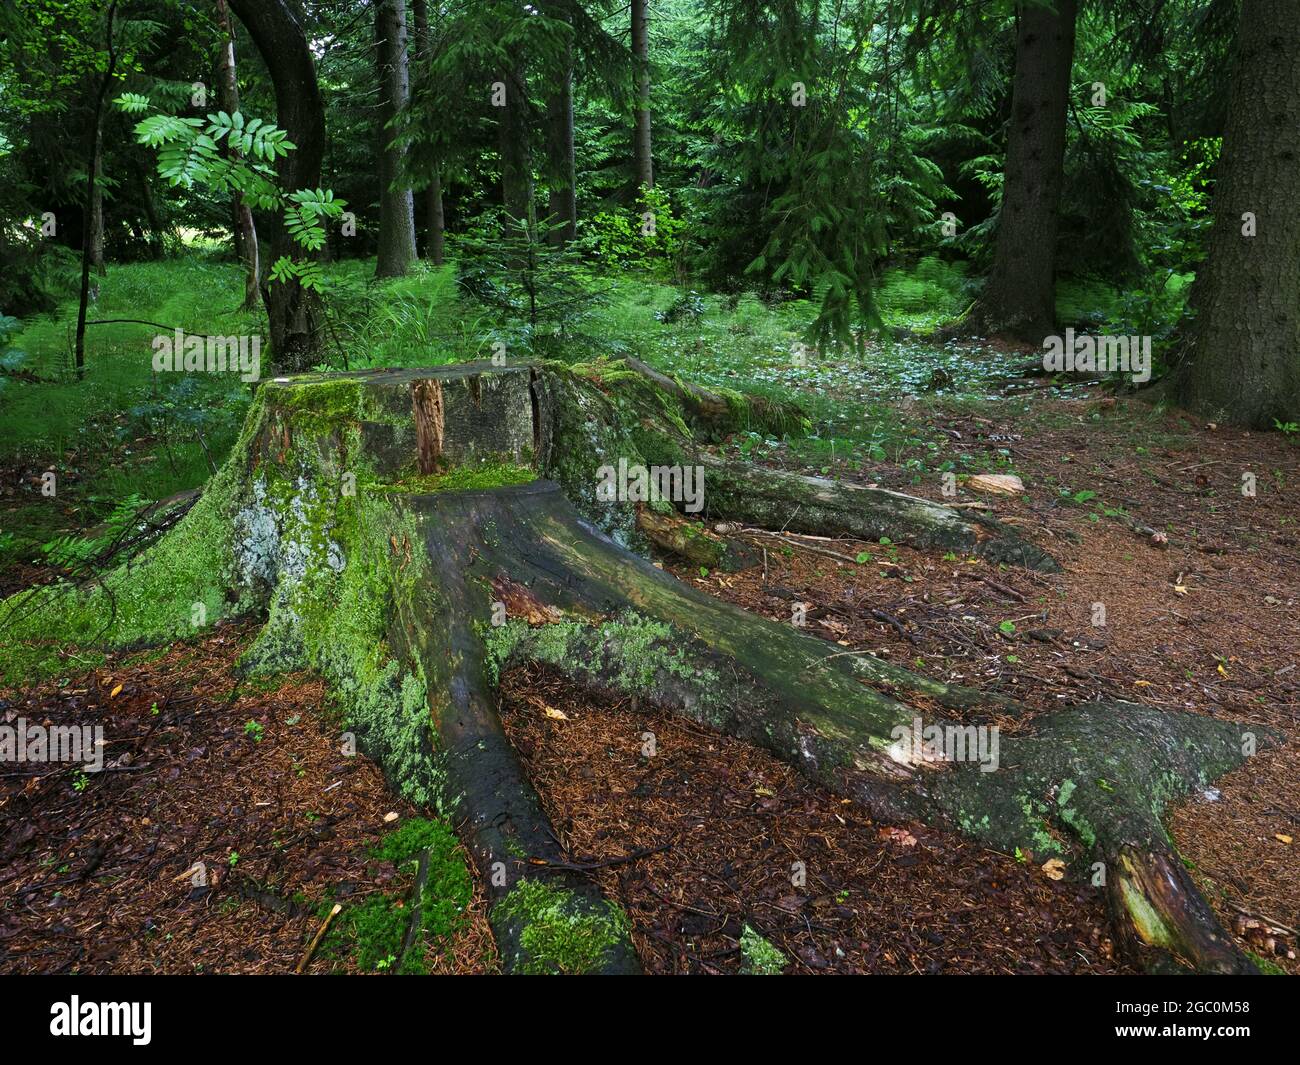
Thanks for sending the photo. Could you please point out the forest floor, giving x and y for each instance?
(1207, 621)
(97, 871)
(250, 780)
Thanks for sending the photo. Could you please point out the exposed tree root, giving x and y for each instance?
(393, 527)
(693, 542)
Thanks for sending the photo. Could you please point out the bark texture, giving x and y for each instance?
(1019, 297)
(293, 312)
(396, 200)
(435, 222)
(642, 155)
(514, 148)
(412, 534)
(1242, 359)
(563, 181)
(97, 209)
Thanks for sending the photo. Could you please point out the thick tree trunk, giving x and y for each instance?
(412, 534)
(1019, 297)
(642, 156)
(396, 201)
(513, 145)
(435, 222)
(562, 179)
(1242, 358)
(293, 312)
(243, 229)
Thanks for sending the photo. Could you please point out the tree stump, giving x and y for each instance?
(411, 534)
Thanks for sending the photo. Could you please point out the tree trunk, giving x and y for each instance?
(562, 179)
(97, 208)
(396, 201)
(1019, 297)
(293, 312)
(473, 539)
(642, 157)
(513, 144)
(435, 221)
(88, 227)
(1241, 364)
(437, 224)
(243, 229)
(156, 247)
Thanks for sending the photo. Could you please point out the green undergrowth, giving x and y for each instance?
(170, 591)
(133, 432)
(119, 429)
(374, 930)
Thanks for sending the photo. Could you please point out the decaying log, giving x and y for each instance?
(411, 534)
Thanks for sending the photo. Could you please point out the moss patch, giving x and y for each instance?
(761, 958)
(561, 933)
(374, 931)
(462, 478)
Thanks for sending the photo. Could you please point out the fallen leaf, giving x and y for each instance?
(1180, 589)
(1281, 837)
(898, 835)
(1054, 868)
(559, 715)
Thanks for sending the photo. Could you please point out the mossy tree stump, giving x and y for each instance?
(411, 534)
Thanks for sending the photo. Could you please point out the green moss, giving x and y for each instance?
(333, 615)
(462, 478)
(375, 929)
(761, 957)
(1081, 826)
(1268, 968)
(631, 654)
(560, 932)
(314, 405)
(372, 931)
